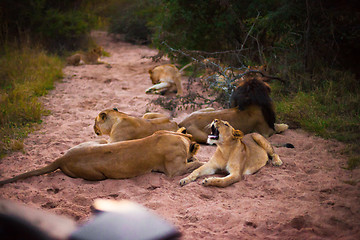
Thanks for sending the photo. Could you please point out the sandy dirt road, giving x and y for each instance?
(311, 196)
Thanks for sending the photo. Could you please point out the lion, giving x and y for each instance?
(235, 153)
(172, 153)
(251, 111)
(92, 57)
(166, 78)
(120, 126)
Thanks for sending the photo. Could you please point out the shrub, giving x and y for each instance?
(132, 18)
(65, 30)
(57, 25)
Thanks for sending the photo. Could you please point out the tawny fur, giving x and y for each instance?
(236, 154)
(252, 111)
(166, 78)
(92, 57)
(165, 151)
(120, 126)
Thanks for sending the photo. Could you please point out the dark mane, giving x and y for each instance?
(254, 92)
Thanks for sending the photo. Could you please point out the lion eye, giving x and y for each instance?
(226, 124)
(103, 116)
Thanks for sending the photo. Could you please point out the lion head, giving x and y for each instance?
(222, 131)
(105, 121)
(97, 51)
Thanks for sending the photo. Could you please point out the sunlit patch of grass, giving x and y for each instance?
(105, 53)
(330, 110)
(25, 75)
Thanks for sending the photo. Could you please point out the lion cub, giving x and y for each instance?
(237, 154)
(92, 57)
(166, 78)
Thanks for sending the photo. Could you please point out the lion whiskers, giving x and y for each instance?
(211, 141)
(208, 126)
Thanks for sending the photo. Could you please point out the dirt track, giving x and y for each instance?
(309, 197)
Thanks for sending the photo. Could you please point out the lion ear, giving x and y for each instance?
(182, 130)
(150, 71)
(194, 148)
(103, 116)
(238, 134)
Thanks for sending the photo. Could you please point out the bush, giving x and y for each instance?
(57, 25)
(65, 30)
(328, 108)
(132, 18)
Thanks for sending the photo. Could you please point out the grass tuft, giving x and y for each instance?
(25, 75)
(330, 108)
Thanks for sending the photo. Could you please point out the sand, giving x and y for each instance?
(311, 196)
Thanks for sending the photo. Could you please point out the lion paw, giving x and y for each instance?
(279, 128)
(207, 181)
(276, 161)
(184, 181)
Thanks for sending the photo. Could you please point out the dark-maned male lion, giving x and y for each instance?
(251, 111)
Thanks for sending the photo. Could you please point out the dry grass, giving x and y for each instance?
(25, 75)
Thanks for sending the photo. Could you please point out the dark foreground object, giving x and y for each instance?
(118, 220)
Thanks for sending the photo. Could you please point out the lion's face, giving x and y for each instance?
(98, 51)
(103, 122)
(154, 76)
(99, 123)
(222, 131)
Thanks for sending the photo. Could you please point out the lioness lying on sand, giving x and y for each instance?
(252, 111)
(165, 151)
(92, 57)
(120, 126)
(237, 154)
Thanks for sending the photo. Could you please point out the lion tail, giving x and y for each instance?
(185, 67)
(254, 92)
(286, 145)
(47, 169)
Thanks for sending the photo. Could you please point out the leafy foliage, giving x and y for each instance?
(57, 25)
(132, 19)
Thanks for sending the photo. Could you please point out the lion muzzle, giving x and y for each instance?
(97, 130)
(214, 135)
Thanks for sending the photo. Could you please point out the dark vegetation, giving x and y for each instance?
(313, 46)
(33, 34)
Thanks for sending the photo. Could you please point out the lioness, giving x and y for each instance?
(120, 126)
(165, 151)
(252, 111)
(166, 78)
(237, 154)
(92, 57)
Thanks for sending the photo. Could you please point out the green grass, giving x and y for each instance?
(25, 75)
(330, 109)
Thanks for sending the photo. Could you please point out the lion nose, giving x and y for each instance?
(96, 130)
